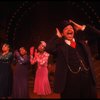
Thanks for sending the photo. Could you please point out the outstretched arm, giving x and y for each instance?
(89, 31)
(78, 26)
(52, 43)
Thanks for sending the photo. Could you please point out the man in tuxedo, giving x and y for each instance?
(74, 75)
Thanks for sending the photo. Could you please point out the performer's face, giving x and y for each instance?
(22, 51)
(41, 47)
(68, 32)
(5, 48)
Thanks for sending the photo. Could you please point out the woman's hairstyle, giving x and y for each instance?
(43, 43)
(7, 45)
(23, 48)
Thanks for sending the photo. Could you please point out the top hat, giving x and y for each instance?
(63, 24)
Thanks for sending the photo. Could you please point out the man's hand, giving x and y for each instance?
(77, 26)
(58, 33)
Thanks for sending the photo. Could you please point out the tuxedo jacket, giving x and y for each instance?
(57, 47)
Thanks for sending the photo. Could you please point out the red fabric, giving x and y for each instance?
(73, 44)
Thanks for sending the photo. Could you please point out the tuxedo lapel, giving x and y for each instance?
(64, 49)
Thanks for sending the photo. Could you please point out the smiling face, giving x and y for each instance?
(5, 47)
(68, 32)
(22, 51)
(41, 47)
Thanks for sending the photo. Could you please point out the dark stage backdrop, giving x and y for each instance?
(28, 22)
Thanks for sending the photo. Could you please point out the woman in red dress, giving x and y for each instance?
(41, 84)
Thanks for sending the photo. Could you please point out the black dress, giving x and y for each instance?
(5, 75)
(20, 79)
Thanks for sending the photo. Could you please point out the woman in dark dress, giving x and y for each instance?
(5, 71)
(20, 80)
